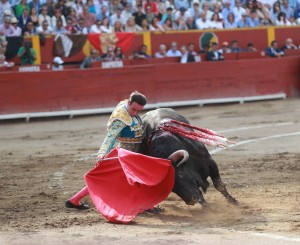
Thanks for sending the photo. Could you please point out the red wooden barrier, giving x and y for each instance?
(101, 88)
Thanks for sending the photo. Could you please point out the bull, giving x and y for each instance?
(191, 160)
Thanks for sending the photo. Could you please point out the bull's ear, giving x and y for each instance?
(174, 157)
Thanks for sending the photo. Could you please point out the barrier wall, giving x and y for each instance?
(74, 89)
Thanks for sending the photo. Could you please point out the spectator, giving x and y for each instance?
(57, 64)
(139, 16)
(190, 23)
(168, 25)
(119, 54)
(27, 54)
(96, 28)
(186, 56)
(275, 11)
(238, 11)
(162, 52)
(23, 19)
(29, 29)
(142, 53)
(33, 16)
(282, 20)
(44, 28)
(161, 6)
(105, 27)
(58, 16)
(89, 19)
(59, 29)
(7, 29)
(252, 20)
(37, 5)
(230, 21)
(181, 13)
(118, 27)
(103, 13)
(126, 13)
(194, 11)
(171, 4)
(181, 25)
(88, 61)
(73, 16)
(226, 10)
(131, 26)
(243, 22)
(20, 8)
(145, 25)
(285, 8)
(44, 16)
(224, 48)
(109, 55)
(288, 44)
(208, 13)
(274, 51)
(216, 22)
(152, 5)
(118, 16)
(167, 15)
(205, 48)
(263, 14)
(91, 6)
(250, 47)
(216, 9)
(155, 25)
(78, 6)
(80, 27)
(5, 10)
(181, 4)
(114, 6)
(203, 23)
(18, 30)
(50, 8)
(149, 15)
(214, 54)
(4, 63)
(173, 51)
(234, 47)
(70, 27)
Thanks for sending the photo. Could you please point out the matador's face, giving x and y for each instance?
(134, 108)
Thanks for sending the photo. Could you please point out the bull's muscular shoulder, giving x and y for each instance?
(120, 113)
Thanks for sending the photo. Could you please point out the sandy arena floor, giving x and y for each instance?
(43, 162)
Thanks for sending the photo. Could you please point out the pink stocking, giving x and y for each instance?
(79, 195)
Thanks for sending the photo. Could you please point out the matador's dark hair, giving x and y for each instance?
(138, 98)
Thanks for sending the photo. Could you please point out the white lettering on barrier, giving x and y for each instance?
(112, 64)
(29, 68)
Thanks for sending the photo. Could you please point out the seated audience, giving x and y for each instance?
(142, 53)
(173, 51)
(288, 44)
(44, 28)
(274, 51)
(57, 64)
(214, 54)
(89, 60)
(234, 47)
(119, 53)
(186, 56)
(162, 52)
(7, 28)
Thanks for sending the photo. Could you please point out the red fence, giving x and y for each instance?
(71, 89)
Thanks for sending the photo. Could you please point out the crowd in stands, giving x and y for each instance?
(31, 17)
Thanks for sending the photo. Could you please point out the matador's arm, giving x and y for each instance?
(110, 140)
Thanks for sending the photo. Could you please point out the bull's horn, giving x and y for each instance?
(177, 155)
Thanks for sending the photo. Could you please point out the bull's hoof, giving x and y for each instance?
(82, 206)
(233, 201)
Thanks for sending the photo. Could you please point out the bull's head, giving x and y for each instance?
(187, 183)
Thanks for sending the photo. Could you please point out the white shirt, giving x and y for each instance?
(238, 13)
(171, 53)
(95, 29)
(200, 24)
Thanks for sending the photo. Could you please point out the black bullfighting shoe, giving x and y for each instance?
(82, 206)
(155, 210)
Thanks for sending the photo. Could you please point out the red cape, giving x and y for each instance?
(127, 183)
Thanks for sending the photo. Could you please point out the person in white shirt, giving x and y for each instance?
(203, 23)
(173, 51)
(44, 28)
(238, 11)
(161, 53)
(117, 16)
(57, 64)
(96, 28)
(126, 13)
(44, 16)
(18, 30)
(105, 27)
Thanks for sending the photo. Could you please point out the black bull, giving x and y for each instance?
(193, 173)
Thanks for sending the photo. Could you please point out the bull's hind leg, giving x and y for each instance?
(218, 183)
(220, 186)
